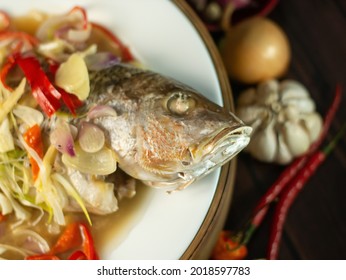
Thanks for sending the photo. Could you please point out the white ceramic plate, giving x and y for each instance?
(165, 40)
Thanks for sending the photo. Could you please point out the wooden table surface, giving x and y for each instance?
(316, 224)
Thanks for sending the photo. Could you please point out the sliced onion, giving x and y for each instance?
(56, 49)
(102, 162)
(46, 30)
(5, 205)
(28, 115)
(101, 111)
(61, 138)
(54, 25)
(101, 60)
(79, 36)
(91, 138)
(31, 240)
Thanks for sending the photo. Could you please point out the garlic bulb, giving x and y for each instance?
(283, 119)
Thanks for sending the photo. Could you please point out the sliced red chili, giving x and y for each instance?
(88, 243)
(84, 14)
(69, 239)
(42, 257)
(44, 92)
(18, 35)
(70, 100)
(77, 255)
(2, 217)
(34, 139)
(9, 64)
(228, 248)
(125, 51)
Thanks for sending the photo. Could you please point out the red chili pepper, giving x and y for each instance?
(287, 175)
(291, 192)
(125, 51)
(84, 14)
(42, 257)
(9, 64)
(88, 243)
(69, 239)
(34, 139)
(228, 248)
(290, 172)
(18, 35)
(44, 92)
(70, 100)
(77, 237)
(78, 255)
(2, 217)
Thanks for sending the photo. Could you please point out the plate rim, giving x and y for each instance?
(202, 243)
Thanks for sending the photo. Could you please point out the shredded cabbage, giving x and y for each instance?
(72, 192)
(28, 115)
(47, 189)
(12, 100)
(65, 40)
(5, 205)
(6, 138)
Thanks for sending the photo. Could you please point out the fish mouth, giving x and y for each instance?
(212, 152)
(216, 150)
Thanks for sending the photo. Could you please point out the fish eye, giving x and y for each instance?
(181, 103)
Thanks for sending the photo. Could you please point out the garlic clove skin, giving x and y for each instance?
(313, 124)
(283, 119)
(293, 89)
(283, 154)
(267, 92)
(296, 138)
(263, 144)
(293, 93)
(305, 105)
(251, 114)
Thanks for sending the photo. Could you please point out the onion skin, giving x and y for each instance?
(256, 50)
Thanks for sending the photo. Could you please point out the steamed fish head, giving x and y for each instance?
(182, 136)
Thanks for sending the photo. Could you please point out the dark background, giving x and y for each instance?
(316, 224)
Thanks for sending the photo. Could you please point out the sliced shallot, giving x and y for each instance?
(101, 60)
(61, 138)
(101, 111)
(91, 138)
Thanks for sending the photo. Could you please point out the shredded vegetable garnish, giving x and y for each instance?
(44, 81)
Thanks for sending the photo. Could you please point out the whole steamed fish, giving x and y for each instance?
(161, 132)
(165, 133)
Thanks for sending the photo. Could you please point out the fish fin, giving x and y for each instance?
(181, 187)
